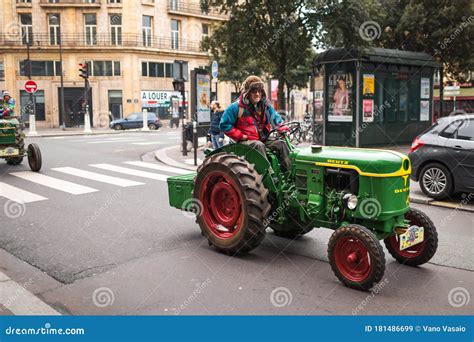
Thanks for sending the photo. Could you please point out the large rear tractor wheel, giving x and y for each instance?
(356, 257)
(420, 253)
(34, 157)
(14, 160)
(234, 203)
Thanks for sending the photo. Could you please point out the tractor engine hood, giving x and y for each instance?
(367, 162)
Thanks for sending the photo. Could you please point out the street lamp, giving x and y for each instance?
(61, 105)
(180, 75)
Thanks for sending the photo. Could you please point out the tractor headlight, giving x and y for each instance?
(350, 201)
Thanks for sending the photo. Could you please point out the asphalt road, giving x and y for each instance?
(114, 246)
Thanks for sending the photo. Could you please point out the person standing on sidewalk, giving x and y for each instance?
(217, 137)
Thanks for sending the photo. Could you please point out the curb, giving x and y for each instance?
(161, 156)
(19, 301)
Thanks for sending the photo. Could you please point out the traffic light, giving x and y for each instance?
(84, 70)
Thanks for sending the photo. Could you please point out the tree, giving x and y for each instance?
(270, 35)
(443, 29)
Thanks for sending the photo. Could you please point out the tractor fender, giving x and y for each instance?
(254, 157)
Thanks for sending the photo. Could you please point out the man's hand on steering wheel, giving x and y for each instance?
(283, 129)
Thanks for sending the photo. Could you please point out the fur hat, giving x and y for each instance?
(6, 93)
(252, 82)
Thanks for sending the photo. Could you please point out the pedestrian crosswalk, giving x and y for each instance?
(94, 174)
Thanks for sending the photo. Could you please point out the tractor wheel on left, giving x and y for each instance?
(356, 257)
(34, 157)
(14, 160)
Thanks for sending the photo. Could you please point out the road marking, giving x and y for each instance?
(159, 167)
(132, 172)
(54, 138)
(97, 177)
(18, 195)
(54, 183)
(19, 301)
(148, 143)
(114, 141)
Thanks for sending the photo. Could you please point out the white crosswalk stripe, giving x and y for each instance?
(132, 172)
(158, 167)
(146, 143)
(114, 141)
(97, 177)
(18, 195)
(54, 183)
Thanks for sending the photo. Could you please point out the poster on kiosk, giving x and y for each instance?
(202, 98)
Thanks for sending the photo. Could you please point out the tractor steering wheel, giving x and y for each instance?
(294, 127)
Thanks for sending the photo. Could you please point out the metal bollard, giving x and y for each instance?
(32, 131)
(87, 121)
(145, 120)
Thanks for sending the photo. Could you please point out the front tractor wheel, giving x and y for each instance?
(356, 257)
(420, 253)
(34, 157)
(234, 203)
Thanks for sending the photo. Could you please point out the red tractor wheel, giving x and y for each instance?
(420, 253)
(234, 203)
(356, 257)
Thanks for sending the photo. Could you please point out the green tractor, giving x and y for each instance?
(12, 144)
(362, 194)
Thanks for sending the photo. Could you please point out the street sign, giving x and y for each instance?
(215, 69)
(452, 90)
(31, 87)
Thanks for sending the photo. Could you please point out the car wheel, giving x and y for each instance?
(436, 181)
(152, 126)
(118, 127)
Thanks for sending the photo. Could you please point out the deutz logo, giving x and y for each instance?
(341, 162)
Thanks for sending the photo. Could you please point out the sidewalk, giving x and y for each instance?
(173, 156)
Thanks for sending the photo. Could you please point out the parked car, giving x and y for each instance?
(442, 157)
(135, 120)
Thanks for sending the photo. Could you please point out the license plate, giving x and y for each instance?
(10, 151)
(413, 236)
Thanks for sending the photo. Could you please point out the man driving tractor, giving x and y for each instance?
(7, 105)
(250, 120)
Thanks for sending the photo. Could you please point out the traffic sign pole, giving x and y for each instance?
(215, 73)
(31, 87)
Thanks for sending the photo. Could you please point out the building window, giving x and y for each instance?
(174, 5)
(116, 29)
(104, 68)
(54, 30)
(2, 72)
(26, 28)
(39, 105)
(147, 30)
(114, 1)
(157, 69)
(90, 28)
(40, 68)
(205, 31)
(175, 34)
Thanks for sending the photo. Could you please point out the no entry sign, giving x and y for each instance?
(31, 86)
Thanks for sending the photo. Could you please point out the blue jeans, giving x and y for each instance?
(215, 141)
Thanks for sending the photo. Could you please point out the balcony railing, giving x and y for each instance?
(192, 8)
(103, 40)
(75, 3)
